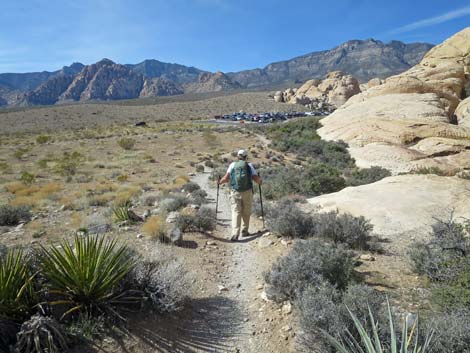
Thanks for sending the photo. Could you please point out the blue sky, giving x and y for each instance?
(226, 35)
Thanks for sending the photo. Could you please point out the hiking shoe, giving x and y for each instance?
(245, 234)
(234, 238)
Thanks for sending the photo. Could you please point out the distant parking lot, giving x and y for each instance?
(268, 117)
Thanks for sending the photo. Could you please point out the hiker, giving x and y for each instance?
(241, 174)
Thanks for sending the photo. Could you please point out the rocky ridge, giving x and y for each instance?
(364, 59)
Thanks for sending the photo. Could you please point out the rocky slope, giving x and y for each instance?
(212, 82)
(407, 121)
(364, 59)
(104, 80)
(328, 94)
(179, 74)
(154, 87)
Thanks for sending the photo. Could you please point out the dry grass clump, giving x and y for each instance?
(101, 200)
(32, 194)
(155, 227)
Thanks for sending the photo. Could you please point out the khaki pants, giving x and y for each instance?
(241, 211)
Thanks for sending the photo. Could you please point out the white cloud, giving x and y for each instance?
(465, 11)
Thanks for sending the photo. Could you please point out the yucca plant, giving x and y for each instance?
(371, 343)
(17, 296)
(86, 277)
(121, 214)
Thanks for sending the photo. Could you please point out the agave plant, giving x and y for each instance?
(17, 296)
(86, 277)
(370, 343)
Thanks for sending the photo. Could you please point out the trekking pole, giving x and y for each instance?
(261, 202)
(217, 199)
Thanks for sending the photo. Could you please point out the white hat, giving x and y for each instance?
(242, 153)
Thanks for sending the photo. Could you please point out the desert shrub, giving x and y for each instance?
(367, 175)
(203, 220)
(43, 139)
(325, 308)
(41, 334)
(293, 134)
(445, 260)
(455, 292)
(315, 179)
(100, 200)
(149, 199)
(164, 282)
(17, 292)
(122, 178)
(464, 175)
(343, 228)
(190, 187)
(209, 164)
(198, 197)
(11, 215)
(286, 219)
(155, 227)
(200, 168)
(218, 172)
(448, 245)
(27, 178)
(431, 170)
(451, 331)
(309, 263)
(69, 163)
(126, 143)
(84, 277)
(173, 202)
(20, 152)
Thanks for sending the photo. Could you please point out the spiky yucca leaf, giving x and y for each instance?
(374, 345)
(17, 295)
(85, 277)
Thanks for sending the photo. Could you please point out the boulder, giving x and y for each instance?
(334, 90)
(406, 115)
(401, 208)
(463, 113)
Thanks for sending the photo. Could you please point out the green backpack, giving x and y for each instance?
(240, 177)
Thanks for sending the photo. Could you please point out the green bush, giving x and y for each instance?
(13, 215)
(27, 178)
(84, 277)
(313, 180)
(293, 134)
(309, 263)
(126, 143)
(43, 139)
(367, 175)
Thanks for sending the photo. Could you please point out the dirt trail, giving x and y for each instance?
(257, 323)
